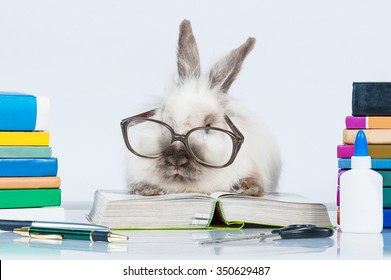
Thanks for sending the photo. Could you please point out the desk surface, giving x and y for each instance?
(183, 244)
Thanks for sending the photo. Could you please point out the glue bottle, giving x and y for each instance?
(361, 193)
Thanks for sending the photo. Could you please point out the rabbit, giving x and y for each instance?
(197, 100)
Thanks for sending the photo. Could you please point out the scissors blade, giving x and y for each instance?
(231, 239)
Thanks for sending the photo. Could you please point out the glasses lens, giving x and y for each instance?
(211, 146)
(149, 138)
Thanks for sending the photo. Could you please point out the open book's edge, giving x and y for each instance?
(217, 218)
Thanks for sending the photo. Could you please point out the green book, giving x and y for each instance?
(25, 152)
(23, 198)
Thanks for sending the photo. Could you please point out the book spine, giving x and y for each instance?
(378, 122)
(50, 182)
(28, 167)
(374, 136)
(25, 152)
(355, 122)
(23, 112)
(33, 138)
(30, 198)
(386, 197)
(371, 99)
(368, 122)
(386, 174)
(43, 112)
(386, 217)
(345, 151)
(345, 163)
(50, 214)
(375, 151)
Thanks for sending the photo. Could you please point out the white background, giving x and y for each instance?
(101, 61)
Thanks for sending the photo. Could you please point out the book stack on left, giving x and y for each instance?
(371, 113)
(29, 185)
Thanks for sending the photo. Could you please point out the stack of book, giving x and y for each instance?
(371, 112)
(29, 185)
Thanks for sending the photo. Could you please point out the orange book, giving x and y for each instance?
(51, 182)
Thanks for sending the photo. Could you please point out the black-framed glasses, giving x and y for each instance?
(209, 146)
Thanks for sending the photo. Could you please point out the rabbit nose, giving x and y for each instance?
(176, 156)
(177, 162)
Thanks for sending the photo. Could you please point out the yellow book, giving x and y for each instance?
(30, 138)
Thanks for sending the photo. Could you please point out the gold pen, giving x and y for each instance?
(52, 233)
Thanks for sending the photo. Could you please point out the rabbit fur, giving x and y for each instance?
(197, 100)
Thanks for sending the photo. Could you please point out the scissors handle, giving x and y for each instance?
(308, 232)
(292, 227)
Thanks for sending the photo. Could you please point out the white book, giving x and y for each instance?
(121, 210)
(38, 214)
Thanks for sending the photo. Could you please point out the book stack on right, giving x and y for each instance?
(29, 185)
(371, 112)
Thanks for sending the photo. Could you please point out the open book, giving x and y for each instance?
(118, 209)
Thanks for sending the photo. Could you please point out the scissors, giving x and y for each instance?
(297, 231)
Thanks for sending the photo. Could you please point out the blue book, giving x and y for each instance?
(23, 112)
(384, 163)
(387, 218)
(28, 167)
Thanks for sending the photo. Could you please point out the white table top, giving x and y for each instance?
(183, 244)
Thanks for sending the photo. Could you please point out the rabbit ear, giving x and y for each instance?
(188, 57)
(227, 69)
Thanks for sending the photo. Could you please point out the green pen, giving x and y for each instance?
(50, 233)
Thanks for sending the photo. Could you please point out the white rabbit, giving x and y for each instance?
(203, 101)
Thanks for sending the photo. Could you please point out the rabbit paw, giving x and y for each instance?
(146, 189)
(249, 186)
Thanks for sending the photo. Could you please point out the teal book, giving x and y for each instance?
(23, 112)
(25, 152)
(386, 197)
(30, 198)
(28, 167)
(386, 174)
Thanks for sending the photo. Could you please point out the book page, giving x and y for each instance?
(276, 196)
(118, 195)
(273, 209)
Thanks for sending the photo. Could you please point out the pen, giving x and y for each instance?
(10, 225)
(51, 233)
(74, 245)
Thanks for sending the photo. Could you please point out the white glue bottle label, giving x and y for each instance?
(361, 193)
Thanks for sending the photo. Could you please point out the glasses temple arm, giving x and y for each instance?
(147, 114)
(234, 128)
